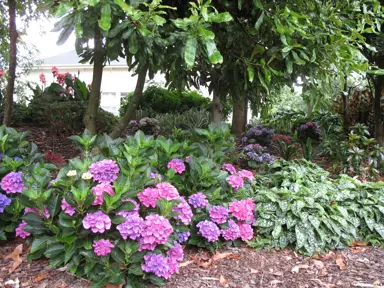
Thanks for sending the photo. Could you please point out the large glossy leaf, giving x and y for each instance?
(213, 54)
(190, 51)
(259, 21)
(105, 21)
(133, 44)
(220, 18)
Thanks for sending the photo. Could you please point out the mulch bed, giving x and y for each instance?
(237, 267)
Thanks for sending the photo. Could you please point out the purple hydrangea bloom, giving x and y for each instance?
(176, 252)
(12, 183)
(126, 213)
(177, 165)
(4, 202)
(102, 247)
(20, 232)
(160, 265)
(232, 233)
(184, 211)
(183, 236)
(98, 222)
(17, 158)
(105, 171)
(252, 155)
(156, 230)
(132, 227)
(198, 200)
(218, 214)
(68, 209)
(209, 230)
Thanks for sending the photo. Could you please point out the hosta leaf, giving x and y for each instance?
(314, 221)
(380, 229)
(264, 223)
(301, 237)
(297, 206)
(283, 241)
(276, 231)
(370, 222)
(290, 222)
(283, 204)
(311, 244)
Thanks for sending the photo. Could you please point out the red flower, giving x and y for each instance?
(55, 71)
(280, 137)
(2, 73)
(42, 78)
(49, 156)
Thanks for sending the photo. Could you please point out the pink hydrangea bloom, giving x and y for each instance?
(33, 210)
(2, 73)
(102, 247)
(104, 171)
(149, 197)
(12, 183)
(156, 231)
(232, 233)
(243, 210)
(167, 191)
(98, 222)
(173, 267)
(99, 191)
(184, 211)
(246, 174)
(187, 159)
(230, 168)
(20, 232)
(246, 231)
(177, 165)
(55, 71)
(42, 78)
(218, 214)
(68, 209)
(235, 181)
(132, 227)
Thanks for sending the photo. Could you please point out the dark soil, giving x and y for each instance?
(240, 268)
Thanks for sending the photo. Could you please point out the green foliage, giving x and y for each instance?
(188, 120)
(161, 100)
(305, 209)
(17, 155)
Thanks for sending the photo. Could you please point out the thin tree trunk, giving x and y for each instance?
(90, 119)
(379, 119)
(217, 108)
(132, 107)
(238, 118)
(347, 113)
(12, 64)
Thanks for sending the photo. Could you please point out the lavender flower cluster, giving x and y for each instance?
(309, 130)
(258, 135)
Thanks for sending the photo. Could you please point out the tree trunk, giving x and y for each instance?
(217, 109)
(379, 118)
(90, 119)
(347, 112)
(238, 118)
(132, 107)
(12, 64)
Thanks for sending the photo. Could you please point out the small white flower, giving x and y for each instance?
(86, 176)
(72, 173)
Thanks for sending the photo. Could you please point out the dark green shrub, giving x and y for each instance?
(162, 100)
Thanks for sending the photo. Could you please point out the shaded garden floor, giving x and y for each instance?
(237, 267)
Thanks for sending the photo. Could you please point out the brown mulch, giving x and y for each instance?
(51, 141)
(236, 267)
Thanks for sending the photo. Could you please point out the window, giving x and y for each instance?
(123, 95)
(108, 102)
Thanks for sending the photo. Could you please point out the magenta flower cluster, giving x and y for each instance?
(184, 211)
(98, 222)
(163, 190)
(177, 165)
(20, 232)
(235, 181)
(232, 233)
(230, 168)
(99, 191)
(104, 171)
(12, 183)
(156, 231)
(68, 209)
(167, 191)
(245, 174)
(243, 210)
(198, 200)
(102, 247)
